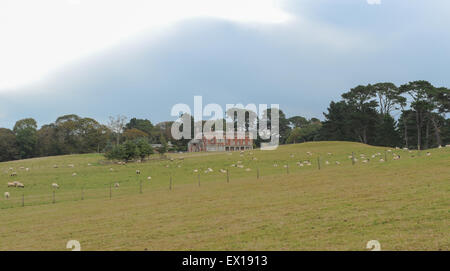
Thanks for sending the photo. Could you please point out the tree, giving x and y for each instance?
(298, 121)
(164, 147)
(145, 149)
(8, 145)
(133, 133)
(387, 134)
(388, 97)
(364, 115)
(25, 131)
(308, 132)
(419, 91)
(337, 124)
(143, 125)
(131, 150)
(116, 124)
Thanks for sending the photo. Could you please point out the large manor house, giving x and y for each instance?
(212, 142)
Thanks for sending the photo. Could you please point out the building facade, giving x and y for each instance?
(212, 143)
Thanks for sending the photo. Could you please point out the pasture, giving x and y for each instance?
(267, 202)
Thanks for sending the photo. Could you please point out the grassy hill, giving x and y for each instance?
(404, 204)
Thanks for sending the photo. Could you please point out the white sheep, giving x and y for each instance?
(248, 169)
(55, 185)
(13, 174)
(338, 163)
(138, 171)
(74, 174)
(116, 185)
(20, 185)
(327, 163)
(428, 154)
(13, 184)
(7, 195)
(195, 170)
(149, 178)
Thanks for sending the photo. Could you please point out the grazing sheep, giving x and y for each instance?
(149, 178)
(447, 146)
(254, 158)
(71, 165)
(111, 169)
(196, 170)
(240, 166)
(74, 174)
(55, 166)
(13, 174)
(248, 169)
(292, 156)
(428, 154)
(275, 165)
(7, 195)
(27, 169)
(20, 185)
(55, 185)
(12, 184)
(223, 171)
(440, 147)
(285, 166)
(309, 153)
(327, 163)
(329, 153)
(381, 160)
(338, 163)
(138, 171)
(116, 185)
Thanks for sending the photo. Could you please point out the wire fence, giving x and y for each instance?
(231, 171)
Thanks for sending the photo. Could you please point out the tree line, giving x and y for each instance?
(413, 115)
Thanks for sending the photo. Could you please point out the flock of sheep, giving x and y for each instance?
(239, 164)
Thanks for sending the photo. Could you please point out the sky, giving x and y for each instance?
(101, 58)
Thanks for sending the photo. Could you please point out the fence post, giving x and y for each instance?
(228, 176)
(23, 199)
(257, 173)
(53, 196)
(353, 158)
(318, 162)
(287, 168)
(110, 191)
(82, 193)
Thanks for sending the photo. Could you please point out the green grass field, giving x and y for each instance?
(404, 204)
